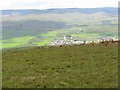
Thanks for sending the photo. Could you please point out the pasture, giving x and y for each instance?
(15, 42)
(71, 66)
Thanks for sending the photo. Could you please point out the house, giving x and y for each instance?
(68, 37)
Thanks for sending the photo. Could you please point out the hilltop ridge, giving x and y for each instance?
(108, 10)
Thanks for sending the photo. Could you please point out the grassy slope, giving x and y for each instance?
(11, 43)
(23, 28)
(69, 18)
(67, 66)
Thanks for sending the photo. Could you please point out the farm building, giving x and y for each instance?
(68, 37)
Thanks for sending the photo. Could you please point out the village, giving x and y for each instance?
(68, 39)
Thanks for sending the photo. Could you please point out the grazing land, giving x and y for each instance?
(78, 66)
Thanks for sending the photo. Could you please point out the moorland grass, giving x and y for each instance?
(77, 66)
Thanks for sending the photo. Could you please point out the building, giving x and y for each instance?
(67, 37)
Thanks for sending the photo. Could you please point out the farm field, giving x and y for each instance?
(71, 66)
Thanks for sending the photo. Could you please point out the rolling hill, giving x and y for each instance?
(108, 10)
(48, 25)
(80, 66)
(30, 60)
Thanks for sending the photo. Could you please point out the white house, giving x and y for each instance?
(68, 37)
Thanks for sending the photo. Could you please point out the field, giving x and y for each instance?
(10, 43)
(77, 66)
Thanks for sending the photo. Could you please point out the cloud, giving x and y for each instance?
(45, 4)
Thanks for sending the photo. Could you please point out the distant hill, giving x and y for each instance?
(108, 10)
(44, 26)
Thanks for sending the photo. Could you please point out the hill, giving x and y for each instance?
(108, 10)
(79, 66)
(21, 28)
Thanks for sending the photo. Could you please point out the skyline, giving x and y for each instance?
(49, 4)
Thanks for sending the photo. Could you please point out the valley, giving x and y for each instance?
(44, 28)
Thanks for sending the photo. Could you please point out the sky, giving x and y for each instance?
(46, 4)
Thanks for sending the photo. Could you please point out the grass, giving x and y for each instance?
(10, 43)
(44, 42)
(61, 67)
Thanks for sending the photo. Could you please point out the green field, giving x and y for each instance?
(11, 43)
(79, 66)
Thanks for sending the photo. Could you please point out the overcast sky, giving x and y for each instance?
(45, 4)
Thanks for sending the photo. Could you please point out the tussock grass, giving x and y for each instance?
(76, 66)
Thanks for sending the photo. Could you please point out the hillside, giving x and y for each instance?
(24, 28)
(78, 66)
